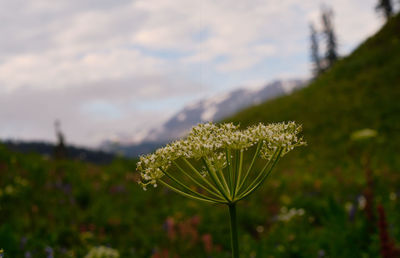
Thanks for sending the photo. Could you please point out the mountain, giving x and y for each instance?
(46, 149)
(212, 109)
(130, 150)
(217, 108)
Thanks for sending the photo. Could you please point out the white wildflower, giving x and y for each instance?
(102, 252)
(210, 143)
(362, 202)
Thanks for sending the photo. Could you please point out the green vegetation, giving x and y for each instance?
(361, 91)
(223, 176)
(319, 202)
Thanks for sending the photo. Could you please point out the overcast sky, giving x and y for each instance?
(109, 68)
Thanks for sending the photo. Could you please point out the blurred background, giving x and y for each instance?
(88, 86)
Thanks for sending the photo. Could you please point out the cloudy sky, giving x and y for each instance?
(110, 68)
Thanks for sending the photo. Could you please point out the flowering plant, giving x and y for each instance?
(102, 251)
(212, 157)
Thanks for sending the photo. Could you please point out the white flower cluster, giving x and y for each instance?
(287, 215)
(274, 136)
(102, 252)
(210, 141)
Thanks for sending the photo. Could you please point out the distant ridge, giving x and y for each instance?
(212, 109)
(47, 149)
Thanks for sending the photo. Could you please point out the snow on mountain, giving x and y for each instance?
(212, 109)
(219, 107)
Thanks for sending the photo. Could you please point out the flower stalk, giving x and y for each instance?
(209, 164)
(234, 233)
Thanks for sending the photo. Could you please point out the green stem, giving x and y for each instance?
(234, 233)
(197, 182)
(222, 177)
(184, 193)
(230, 171)
(257, 182)
(200, 175)
(235, 171)
(216, 181)
(190, 190)
(239, 175)
(259, 145)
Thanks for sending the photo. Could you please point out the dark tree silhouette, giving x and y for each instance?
(315, 58)
(60, 151)
(386, 7)
(330, 38)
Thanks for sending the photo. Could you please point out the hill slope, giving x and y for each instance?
(360, 91)
(340, 182)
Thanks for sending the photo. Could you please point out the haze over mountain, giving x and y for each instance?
(211, 109)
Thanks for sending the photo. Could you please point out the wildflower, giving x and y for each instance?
(23, 242)
(219, 148)
(212, 158)
(9, 190)
(102, 252)
(260, 228)
(207, 242)
(362, 202)
(393, 196)
(363, 134)
(287, 215)
(49, 252)
(388, 248)
(348, 206)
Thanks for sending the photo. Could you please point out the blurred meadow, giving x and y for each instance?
(339, 196)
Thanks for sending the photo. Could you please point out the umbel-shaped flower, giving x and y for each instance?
(219, 163)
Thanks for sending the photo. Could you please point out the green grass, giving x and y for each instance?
(312, 204)
(360, 91)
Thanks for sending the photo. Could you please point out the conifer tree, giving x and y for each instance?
(386, 7)
(315, 58)
(331, 54)
(60, 151)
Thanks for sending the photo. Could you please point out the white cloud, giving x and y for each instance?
(136, 62)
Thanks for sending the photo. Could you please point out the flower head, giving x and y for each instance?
(102, 251)
(219, 148)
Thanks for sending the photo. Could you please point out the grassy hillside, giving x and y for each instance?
(360, 91)
(320, 202)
